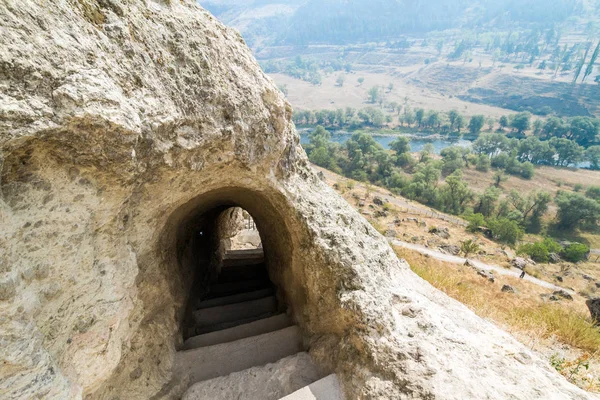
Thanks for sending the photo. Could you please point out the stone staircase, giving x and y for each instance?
(245, 347)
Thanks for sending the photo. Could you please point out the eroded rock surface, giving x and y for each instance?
(119, 122)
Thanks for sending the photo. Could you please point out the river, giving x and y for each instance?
(416, 143)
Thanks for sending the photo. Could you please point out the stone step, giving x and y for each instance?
(231, 288)
(246, 253)
(234, 312)
(210, 362)
(327, 388)
(243, 257)
(229, 325)
(254, 328)
(268, 382)
(236, 298)
(243, 273)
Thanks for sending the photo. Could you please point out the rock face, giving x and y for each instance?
(124, 124)
(594, 307)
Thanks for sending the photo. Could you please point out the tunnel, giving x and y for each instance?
(232, 249)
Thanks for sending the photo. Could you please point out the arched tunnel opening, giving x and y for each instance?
(230, 284)
(230, 257)
(231, 253)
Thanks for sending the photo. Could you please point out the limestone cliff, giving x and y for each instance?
(120, 121)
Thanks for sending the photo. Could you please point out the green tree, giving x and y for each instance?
(361, 80)
(487, 202)
(583, 130)
(505, 230)
(459, 123)
(419, 115)
(503, 122)
(592, 155)
(590, 66)
(452, 117)
(400, 145)
(567, 151)
(475, 222)
(491, 121)
(476, 123)
(455, 194)
(483, 163)
(593, 192)
(576, 211)
(374, 94)
(521, 122)
(340, 81)
(491, 144)
(575, 252)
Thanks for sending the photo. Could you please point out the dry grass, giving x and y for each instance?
(524, 312)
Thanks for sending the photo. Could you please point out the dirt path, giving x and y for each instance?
(514, 272)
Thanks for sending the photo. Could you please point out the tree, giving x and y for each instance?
(583, 130)
(476, 123)
(374, 94)
(400, 145)
(460, 123)
(483, 163)
(491, 144)
(361, 80)
(503, 122)
(567, 151)
(452, 117)
(592, 155)
(433, 119)
(455, 194)
(575, 252)
(521, 122)
(499, 177)
(581, 63)
(593, 192)
(576, 211)
(491, 121)
(469, 246)
(505, 230)
(340, 81)
(488, 201)
(590, 66)
(419, 115)
(390, 87)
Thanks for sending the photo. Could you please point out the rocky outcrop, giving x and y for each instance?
(594, 307)
(124, 124)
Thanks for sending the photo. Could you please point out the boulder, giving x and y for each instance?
(125, 128)
(508, 289)
(559, 278)
(450, 249)
(390, 233)
(519, 262)
(594, 307)
(378, 201)
(486, 274)
(562, 294)
(554, 258)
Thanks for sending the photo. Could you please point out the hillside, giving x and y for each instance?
(303, 22)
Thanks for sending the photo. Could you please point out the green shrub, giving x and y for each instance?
(527, 170)
(505, 230)
(540, 251)
(475, 221)
(575, 252)
(578, 187)
(483, 163)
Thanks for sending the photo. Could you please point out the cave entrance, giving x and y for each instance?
(231, 284)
